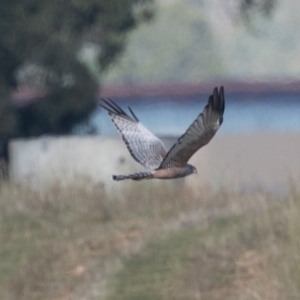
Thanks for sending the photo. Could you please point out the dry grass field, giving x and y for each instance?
(77, 242)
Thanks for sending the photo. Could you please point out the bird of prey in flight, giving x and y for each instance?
(149, 150)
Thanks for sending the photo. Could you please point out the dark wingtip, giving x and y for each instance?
(135, 117)
(115, 177)
(213, 99)
(222, 98)
(100, 103)
(217, 101)
(215, 93)
(113, 108)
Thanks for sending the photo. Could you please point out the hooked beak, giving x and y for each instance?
(195, 171)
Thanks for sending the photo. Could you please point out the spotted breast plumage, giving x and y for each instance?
(149, 150)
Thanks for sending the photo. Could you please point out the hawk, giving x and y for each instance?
(149, 150)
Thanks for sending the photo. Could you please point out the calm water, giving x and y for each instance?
(243, 114)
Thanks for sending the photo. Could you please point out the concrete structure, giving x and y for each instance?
(269, 160)
(46, 161)
(62, 159)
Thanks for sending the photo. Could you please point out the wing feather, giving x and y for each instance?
(199, 133)
(144, 146)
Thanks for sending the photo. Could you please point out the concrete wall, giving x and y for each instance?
(263, 159)
(47, 160)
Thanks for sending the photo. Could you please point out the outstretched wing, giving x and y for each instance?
(199, 133)
(144, 146)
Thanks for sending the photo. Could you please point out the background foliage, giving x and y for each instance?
(48, 37)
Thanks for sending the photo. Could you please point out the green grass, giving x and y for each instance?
(153, 273)
(179, 264)
(77, 242)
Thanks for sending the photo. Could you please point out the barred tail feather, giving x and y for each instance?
(135, 176)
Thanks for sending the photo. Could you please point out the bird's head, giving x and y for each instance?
(195, 170)
(192, 169)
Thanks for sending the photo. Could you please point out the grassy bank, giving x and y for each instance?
(79, 242)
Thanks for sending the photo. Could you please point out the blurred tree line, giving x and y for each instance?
(183, 51)
(248, 8)
(48, 36)
(183, 45)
